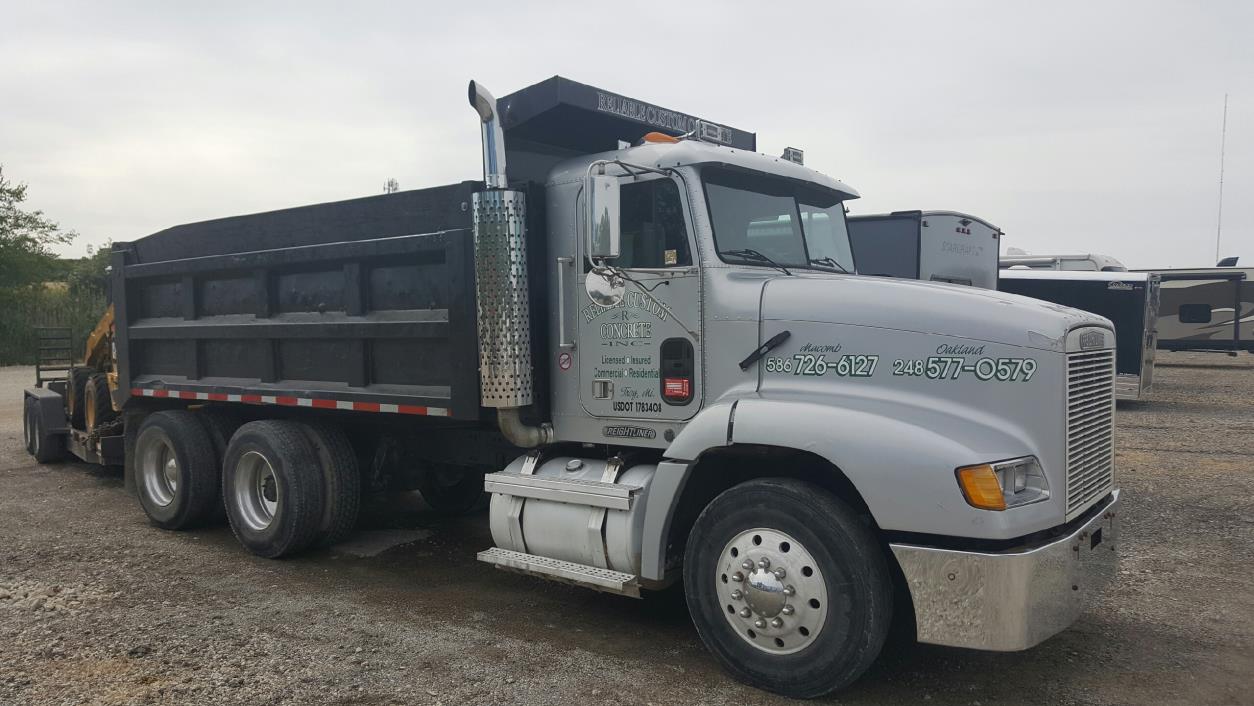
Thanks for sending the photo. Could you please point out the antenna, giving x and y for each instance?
(1223, 138)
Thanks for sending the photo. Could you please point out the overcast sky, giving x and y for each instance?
(1075, 127)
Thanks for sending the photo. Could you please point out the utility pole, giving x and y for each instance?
(1223, 139)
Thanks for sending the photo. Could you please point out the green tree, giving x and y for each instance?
(26, 238)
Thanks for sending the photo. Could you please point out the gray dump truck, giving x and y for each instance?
(644, 340)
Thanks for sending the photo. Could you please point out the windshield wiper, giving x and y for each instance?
(755, 256)
(830, 262)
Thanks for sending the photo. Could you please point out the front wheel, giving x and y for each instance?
(788, 587)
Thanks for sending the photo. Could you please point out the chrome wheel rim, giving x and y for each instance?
(159, 467)
(771, 591)
(256, 490)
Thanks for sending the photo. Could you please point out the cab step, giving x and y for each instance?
(576, 491)
(588, 576)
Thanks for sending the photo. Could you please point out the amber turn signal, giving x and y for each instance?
(659, 137)
(980, 487)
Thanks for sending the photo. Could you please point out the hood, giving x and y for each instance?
(924, 307)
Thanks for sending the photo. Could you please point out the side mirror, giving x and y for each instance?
(603, 211)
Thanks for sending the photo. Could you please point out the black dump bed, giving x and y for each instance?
(365, 304)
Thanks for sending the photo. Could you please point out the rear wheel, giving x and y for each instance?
(221, 426)
(97, 408)
(274, 500)
(177, 475)
(341, 481)
(788, 588)
(451, 490)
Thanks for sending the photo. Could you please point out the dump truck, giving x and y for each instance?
(643, 339)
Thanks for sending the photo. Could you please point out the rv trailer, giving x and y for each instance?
(1129, 299)
(1088, 262)
(1210, 308)
(939, 246)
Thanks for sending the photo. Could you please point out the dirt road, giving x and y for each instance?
(96, 606)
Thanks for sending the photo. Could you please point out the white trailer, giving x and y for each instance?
(938, 246)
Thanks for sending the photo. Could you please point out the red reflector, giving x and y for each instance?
(677, 388)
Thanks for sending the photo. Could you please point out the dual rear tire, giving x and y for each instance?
(282, 485)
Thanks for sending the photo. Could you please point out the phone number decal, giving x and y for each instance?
(952, 368)
(846, 366)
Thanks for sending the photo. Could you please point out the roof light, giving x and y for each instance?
(660, 137)
(794, 155)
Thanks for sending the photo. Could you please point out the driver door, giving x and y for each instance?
(638, 329)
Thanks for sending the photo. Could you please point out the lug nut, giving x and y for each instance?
(790, 591)
(738, 577)
(747, 565)
(779, 572)
(737, 595)
(745, 612)
(760, 623)
(777, 623)
(764, 563)
(787, 610)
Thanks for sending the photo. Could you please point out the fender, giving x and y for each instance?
(51, 406)
(904, 470)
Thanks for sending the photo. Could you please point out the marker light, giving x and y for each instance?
(980, 487)
(659, 137)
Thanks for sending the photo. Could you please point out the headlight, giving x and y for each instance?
(1004, 484)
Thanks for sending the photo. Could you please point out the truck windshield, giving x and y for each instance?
(784, 221)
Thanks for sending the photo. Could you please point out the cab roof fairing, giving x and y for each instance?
(691, 153)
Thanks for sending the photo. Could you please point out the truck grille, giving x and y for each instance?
(1090, 422)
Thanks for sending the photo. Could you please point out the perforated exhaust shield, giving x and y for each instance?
(502, 299)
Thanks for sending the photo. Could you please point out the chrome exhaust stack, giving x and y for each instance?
(501, 286)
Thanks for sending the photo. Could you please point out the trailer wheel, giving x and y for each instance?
(45, 446)
(341, 481)
(787, 587)
(176, 470)
(75, 390)
(451, 490)
(97, 407)
(28, 424)
(273, 501)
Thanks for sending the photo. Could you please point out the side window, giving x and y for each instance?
(1195, 313)
(652, 223)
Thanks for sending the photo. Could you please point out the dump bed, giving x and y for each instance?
(364, 305)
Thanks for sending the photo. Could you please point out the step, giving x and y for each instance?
(575, 491)
(589, 576)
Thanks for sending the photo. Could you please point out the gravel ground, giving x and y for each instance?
(98, 607)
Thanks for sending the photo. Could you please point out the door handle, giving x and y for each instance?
(562, 263)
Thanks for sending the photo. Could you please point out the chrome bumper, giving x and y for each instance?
(1014, 599)
(1128, 387)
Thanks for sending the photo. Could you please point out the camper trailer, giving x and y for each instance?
(1088, 262)
(1129, 299)
(938, 246)
(1209, 308)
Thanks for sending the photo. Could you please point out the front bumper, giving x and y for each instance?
(1013, 599)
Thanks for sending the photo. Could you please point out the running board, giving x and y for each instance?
(575, 491)
(588, 576)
